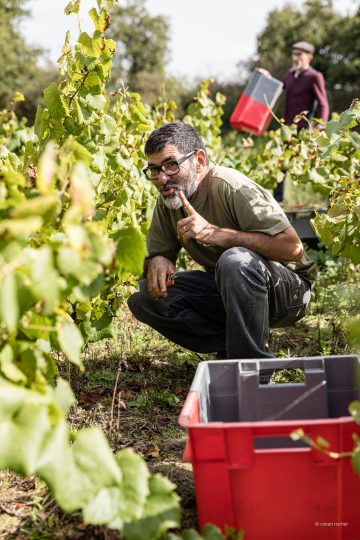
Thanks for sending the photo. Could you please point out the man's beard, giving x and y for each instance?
(187, 186)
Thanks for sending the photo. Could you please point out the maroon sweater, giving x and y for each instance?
(301, 94)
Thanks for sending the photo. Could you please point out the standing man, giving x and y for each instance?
(255, 272)
(305, 91)
(305, 87)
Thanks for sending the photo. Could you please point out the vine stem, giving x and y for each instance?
(272, 112)
(79, 88)
(115, 393)
(310, 442)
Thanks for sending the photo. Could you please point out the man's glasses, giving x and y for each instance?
(170, 168)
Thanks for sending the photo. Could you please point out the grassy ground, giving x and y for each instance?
(134, 387)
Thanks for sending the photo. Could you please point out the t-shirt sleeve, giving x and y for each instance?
(162, 239)
(255, 209)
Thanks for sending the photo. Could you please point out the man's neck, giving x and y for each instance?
(298, 71)
(202, 177)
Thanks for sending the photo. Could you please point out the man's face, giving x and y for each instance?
(186, 180)
(300, 59)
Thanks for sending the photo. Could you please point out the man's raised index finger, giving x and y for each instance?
(186, 205)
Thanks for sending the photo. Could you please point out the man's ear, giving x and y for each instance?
(200, 160)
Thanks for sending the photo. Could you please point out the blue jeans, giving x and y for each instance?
(230, 309)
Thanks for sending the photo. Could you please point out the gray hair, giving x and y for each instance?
(184, 137)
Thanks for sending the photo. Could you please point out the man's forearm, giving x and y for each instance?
(284, 246)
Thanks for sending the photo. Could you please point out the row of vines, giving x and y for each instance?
(74, 212)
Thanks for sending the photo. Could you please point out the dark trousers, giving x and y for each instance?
(229, 310)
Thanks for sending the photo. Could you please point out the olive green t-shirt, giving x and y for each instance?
(228, 199)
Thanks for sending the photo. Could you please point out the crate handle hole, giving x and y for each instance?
(282, 376)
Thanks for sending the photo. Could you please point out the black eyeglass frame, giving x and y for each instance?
(161, 167)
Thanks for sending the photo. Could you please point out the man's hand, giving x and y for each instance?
(263, 71)
(158, 270)
(193, 226)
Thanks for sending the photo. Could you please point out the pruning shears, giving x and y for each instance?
(170, 279)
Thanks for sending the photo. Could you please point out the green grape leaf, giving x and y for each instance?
(210, 532)
(44, 206)
(91, 46)
(97, 329)
(135, 483)
(71, 263)
(102, 247)
(8, 367)
(103, 509)
(106, 4)
(130, 250)
(72, 7)
(354, 410)
(55, 102)
(99, 161)
(70, 340)
(39, 125)
(97, 102)
(20, 228)
(14, 177)
(23, 424)
(316, 178)
(80, 152)
(91, 290)
(161, 511)
(71, 126)
(97, 43)
(94, 84)
(191, 534)
(63, 395)
(347, 120)
(114, 506)
(353, 328)
(45, 279)
(36, 326)
(78, 472)
(353, 253)
(355, 460)
(66, 55)
(102, 21)
(9, 305)
(109, 126)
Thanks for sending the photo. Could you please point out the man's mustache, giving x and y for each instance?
(168, 186)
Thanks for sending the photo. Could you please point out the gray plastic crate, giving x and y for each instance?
(300, 220)
(230, 391)
(264, 89)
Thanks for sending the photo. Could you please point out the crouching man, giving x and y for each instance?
(256, 274)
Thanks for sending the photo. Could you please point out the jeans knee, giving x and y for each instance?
(234, 258)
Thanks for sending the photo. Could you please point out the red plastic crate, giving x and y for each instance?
(272, 493)
(252, 113)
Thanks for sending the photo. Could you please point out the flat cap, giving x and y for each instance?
(304, 46)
